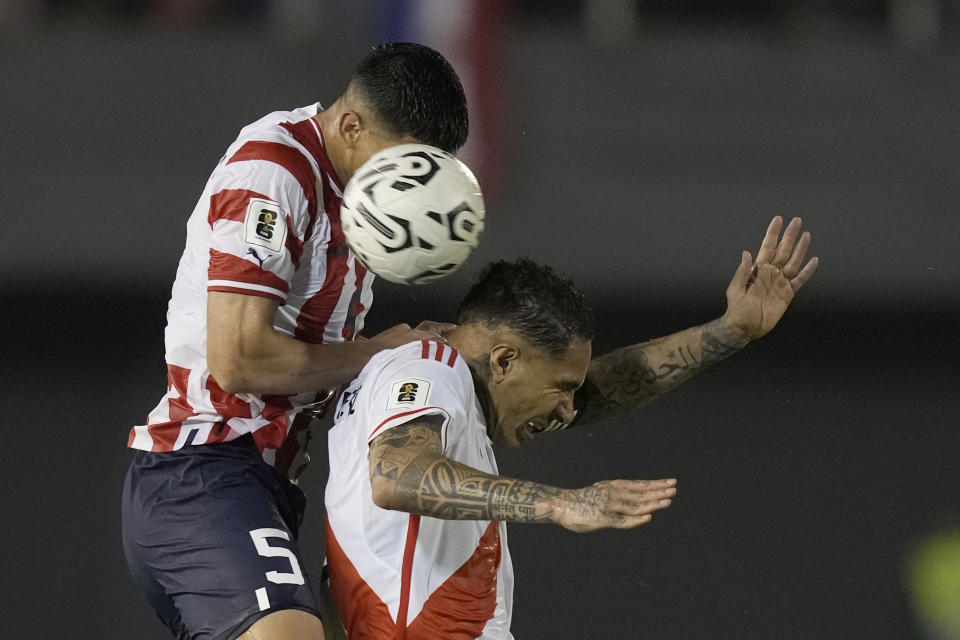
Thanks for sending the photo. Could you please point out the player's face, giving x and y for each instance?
(537, 389)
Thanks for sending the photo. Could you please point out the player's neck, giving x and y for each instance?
(484, 399)
(327, 119)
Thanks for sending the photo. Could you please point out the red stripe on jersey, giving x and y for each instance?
(226, 404)
(179, 409)
(273, 435)
(226, 266)
(296, 440)
(231, 204)
(164, 435)
(287, 157)
(461, 606)
(425, 351)
(294, 244)
(307, 133)
(439, 356)
(453, 357)
(316, 311)
(399, 415)
(356, 306)
(406, 571)
(363, 613)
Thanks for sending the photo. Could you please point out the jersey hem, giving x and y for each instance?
(273, 294)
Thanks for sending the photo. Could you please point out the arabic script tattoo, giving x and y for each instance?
(630, 377)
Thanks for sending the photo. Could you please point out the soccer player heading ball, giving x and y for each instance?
(267, 300)
(416, 541)
(414, 434)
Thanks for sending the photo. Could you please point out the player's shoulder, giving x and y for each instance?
(273, 123)
(418, 376)
(430, 357)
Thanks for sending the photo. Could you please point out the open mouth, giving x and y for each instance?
(528, 430)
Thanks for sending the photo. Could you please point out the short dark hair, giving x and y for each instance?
(531, 299)
(414, 91)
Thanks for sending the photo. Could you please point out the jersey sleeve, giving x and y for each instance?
(262, 204)
(408, 387)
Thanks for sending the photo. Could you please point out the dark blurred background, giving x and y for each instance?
(638, 147)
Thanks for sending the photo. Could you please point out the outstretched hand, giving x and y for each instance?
(761, 290)
(617, 504)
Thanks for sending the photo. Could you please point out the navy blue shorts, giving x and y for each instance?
(210, 534)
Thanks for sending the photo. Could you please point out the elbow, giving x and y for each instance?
(383, 492)
(227, 373)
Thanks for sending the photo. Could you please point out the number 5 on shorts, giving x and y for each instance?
(264, 549)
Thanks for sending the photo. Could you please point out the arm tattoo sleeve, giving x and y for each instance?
(630, 377)
(430, 484)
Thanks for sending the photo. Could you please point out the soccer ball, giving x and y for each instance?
(412, 213)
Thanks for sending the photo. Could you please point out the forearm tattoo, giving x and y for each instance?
(630, 377)
(430, 484)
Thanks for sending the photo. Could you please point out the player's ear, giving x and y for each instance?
(503, 358)
(349, 127)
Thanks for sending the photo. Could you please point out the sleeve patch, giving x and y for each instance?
(265, 225)
(409, 393)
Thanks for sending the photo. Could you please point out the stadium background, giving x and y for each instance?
(637, 147)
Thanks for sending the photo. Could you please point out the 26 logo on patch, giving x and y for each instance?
(266, 222)
(408, 392)
(265, 225)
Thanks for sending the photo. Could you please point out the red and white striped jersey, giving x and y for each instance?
(395, 574)
(267, 224)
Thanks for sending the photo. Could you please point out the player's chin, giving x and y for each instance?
(507, 439)
(522, 435)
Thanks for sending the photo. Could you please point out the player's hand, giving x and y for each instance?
(761, 290)
(439, 328)
(617, 504)
(402, 334)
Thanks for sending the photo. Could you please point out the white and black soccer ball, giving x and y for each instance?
(412, 213)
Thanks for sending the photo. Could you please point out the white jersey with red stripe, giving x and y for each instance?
(267, 224)
(395, 574)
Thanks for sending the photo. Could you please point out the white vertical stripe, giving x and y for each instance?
(236, 284)
(142, 438)
(366, 299)
(197, 393)
(333, 332)
(262, 598)
(161, 413)
(334, 187)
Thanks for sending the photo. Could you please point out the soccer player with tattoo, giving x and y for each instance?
(266, 304)
(416, 508)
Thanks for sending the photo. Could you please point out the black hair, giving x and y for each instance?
(531, 299)
(414, 91)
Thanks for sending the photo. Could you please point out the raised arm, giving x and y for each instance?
(757, 297)
(409, 473)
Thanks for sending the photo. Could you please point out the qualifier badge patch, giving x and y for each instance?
(265, 225)
(409, 393)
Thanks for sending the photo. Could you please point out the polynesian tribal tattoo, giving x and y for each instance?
(430, 484)
(630, 377)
